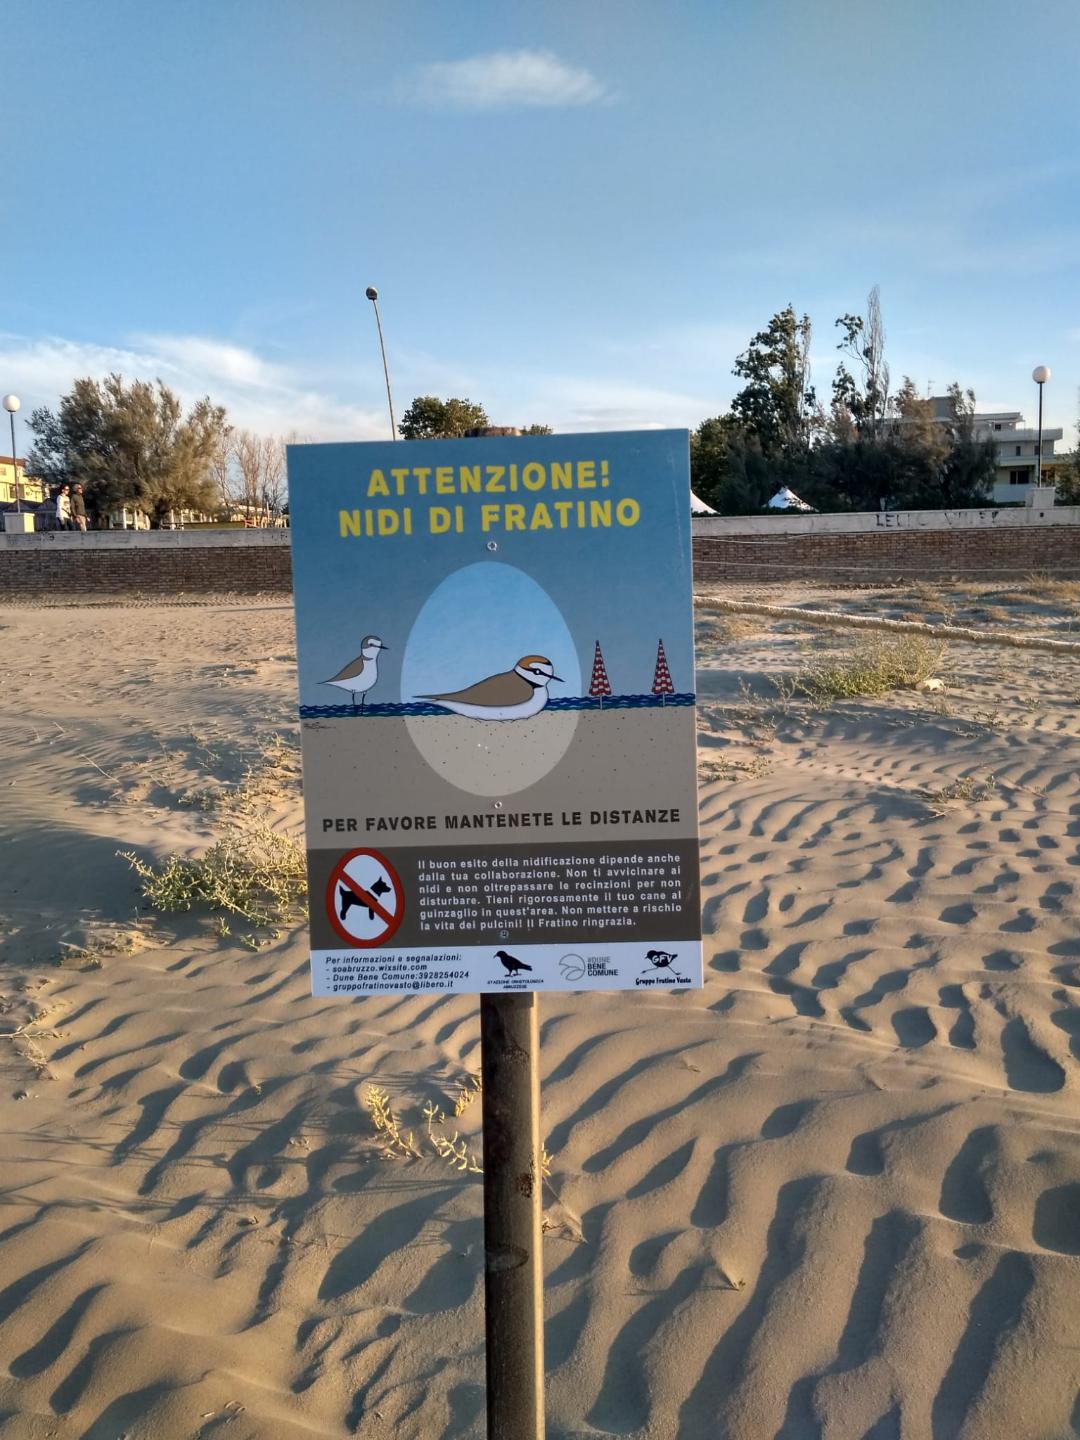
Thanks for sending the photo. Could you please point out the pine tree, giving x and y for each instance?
(600, 685)
(661, 684)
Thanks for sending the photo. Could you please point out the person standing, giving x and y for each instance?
(78, 509)
(63, 508)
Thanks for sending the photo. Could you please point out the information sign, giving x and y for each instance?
(495, 651)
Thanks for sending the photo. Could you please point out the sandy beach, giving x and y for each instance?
(835, 1195)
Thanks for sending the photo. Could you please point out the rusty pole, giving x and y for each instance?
(513, 1179)
(513, 1254)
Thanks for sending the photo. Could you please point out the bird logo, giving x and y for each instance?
(510, 962)
(661, 960)
(572, 967)
(359, 675)
(516, 694)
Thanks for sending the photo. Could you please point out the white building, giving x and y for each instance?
(1016, 446)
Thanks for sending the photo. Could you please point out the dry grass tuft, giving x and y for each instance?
(448, 1146)
(874, 668)
(397, 1143)
(1041, 586)
(964, 790)
(719, 630)
(252, 871)
(724, 767)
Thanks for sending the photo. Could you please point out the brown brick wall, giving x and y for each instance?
(868, 558)
(53, 573)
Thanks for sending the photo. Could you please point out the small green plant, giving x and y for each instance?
(989, 719)
(91, 955)
(468, 1090)
(252, 871)
(965, 789)
(456, 1152)
(396, 1142)
(448, 1147)
(724, 768)
(874, 668)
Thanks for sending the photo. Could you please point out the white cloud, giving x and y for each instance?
(502, 80)
(617, 393)
(258, 394)
(590, 402)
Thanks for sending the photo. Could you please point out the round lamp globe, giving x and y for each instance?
(11, 403)
(1041, 374)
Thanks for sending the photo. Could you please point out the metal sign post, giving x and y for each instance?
(513, 1253)
(513, 1205)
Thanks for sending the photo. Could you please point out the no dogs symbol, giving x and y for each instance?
(365, 899)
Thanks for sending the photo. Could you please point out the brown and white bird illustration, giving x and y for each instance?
(359, 675)
(515, 694)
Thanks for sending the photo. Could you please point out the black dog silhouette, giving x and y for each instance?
(349, 898)
(510, 964)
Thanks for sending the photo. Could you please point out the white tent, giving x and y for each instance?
(698, 507)
(786, 499)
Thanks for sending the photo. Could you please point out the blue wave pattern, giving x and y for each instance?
(425, 707)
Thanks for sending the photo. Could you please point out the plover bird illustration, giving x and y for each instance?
(359, 675)
(511, 964)
(516, 694)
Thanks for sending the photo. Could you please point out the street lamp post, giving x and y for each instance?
(11, 404)
(1040, 375)
(373, 295)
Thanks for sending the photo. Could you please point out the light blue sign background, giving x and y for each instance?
(627, 587)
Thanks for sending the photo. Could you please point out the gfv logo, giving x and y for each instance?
(660, 969)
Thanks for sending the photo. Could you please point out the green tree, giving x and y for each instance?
(1068, 485)
(777, 406)
(967, 477)
(429, 418)
(860, 402)
(856, 475)
(537, 430)
(710, 458)
(131, 445)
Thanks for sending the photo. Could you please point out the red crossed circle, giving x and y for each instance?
(392, 919)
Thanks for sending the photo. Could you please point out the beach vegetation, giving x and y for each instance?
(724, 767)
(253, 871)
(875, 667)
(397, 1143)
(713, 628)
(446, 1145)
(92, 955)
(468, 1090)
(965, 789)
(1041, 586)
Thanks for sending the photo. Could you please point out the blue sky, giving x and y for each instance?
(448, 650)
(575, 213)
